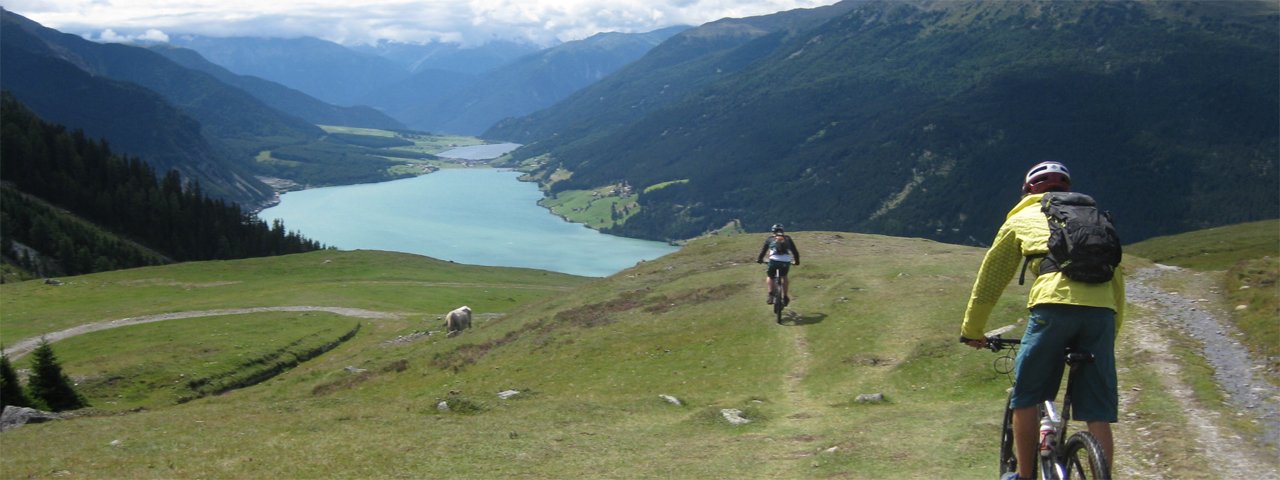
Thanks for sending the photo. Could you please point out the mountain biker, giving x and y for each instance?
(782, 253)
(1063, 313)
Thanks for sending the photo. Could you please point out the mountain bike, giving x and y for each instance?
(1079, 456)
(777, 294)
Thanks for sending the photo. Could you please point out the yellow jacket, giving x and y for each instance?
(1026, 232)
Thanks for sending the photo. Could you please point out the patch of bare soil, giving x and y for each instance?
(22, 347)
(1229, 454)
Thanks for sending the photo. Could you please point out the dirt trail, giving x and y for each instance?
(1230, 455)
(24, 346)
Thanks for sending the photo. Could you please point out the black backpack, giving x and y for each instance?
(1083, 243)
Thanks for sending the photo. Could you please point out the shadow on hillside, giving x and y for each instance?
(808, 319)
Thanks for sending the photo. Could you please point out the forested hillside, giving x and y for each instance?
(135, 119)
(71, 206)
(919, 118)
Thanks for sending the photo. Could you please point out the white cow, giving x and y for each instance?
(457, 320)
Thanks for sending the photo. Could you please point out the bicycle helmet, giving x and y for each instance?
(1046, 177)
(777, 228)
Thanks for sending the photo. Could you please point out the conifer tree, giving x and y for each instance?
(48, 385)
(10, 390)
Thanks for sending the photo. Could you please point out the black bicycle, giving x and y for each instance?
(1079, 456)
(778, 294)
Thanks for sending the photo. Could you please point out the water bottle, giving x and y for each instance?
(1046, 436)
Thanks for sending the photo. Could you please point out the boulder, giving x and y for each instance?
(14, 417)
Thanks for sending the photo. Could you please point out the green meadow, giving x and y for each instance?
(589, 358)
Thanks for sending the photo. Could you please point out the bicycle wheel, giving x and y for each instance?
(1008, 461)
(778, 304)
(778, 283)
(1084, 458)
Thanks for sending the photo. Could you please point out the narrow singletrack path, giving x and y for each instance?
(801, 426)
(24, 346)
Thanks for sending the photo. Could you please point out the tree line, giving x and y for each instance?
(120, 194)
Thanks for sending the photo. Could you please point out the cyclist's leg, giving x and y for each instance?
(1095, 397)
(1102, 432)
(768, 279)
(1037, 374)
(1026, 432)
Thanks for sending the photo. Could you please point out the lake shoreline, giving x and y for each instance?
(488, 219)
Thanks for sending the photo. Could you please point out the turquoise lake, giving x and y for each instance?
(475, 216)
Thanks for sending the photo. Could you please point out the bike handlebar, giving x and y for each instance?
(995, 343)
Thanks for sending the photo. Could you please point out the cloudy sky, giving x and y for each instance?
(365, 21)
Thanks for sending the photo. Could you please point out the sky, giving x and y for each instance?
(353, 22)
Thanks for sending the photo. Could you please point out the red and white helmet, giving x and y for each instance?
(1047, 177)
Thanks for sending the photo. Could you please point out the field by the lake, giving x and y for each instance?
(590, 361)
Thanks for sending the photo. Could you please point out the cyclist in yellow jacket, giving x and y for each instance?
(1063, 313)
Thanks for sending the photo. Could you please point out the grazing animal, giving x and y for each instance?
(457, 320)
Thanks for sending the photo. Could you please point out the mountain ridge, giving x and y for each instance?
(893, 117)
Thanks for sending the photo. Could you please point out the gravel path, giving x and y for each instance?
(24, 346)
(1234, 372)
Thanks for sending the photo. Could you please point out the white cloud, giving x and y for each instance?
(344, 21)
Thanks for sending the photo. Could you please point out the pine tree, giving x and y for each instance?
(10, 390)
(48, 385)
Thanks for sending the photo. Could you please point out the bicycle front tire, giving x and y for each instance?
(1084, 458)
(778, 305)
(1008, 461)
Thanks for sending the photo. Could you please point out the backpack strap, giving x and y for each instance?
(1022, 278)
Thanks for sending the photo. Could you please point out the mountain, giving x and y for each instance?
(138, 121)
(325, 70)
(452, 57)
(918, 118)
(685, 63)
(280, 97)
(72, 206)
(226, 113)
(456, 102)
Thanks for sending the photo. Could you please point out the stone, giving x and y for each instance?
(734, 416)
(869, 398)
(14, 417)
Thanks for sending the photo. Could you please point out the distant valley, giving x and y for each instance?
(913, 118)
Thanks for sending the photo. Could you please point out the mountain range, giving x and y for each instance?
(433, 87)
(914, 117)
(919, 118)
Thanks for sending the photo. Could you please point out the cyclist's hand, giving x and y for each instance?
(797, 263)
(977, 344)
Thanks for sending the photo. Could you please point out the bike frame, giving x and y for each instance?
(1055, 465)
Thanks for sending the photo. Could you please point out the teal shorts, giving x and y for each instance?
(777, 266)
(1038, 369)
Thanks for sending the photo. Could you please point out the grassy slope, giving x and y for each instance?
(873, 315)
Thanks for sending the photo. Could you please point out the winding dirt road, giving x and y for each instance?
(24, 346)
